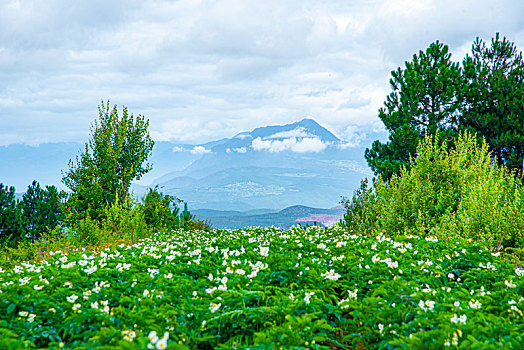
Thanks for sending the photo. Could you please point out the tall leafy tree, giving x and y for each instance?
(115, 155)
(494, 98)
(41, 209)
(424, 100)
(11, 228)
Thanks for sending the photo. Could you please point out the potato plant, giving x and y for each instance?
(265, 288)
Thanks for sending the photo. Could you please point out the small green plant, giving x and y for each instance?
(125, 220)
(87, 232)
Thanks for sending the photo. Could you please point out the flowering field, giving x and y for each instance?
(266, 288)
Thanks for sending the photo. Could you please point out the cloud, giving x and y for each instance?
(237, 150)
(201, 70)
(199, 150)
(305, 145)
(297, 132)
(178, 149)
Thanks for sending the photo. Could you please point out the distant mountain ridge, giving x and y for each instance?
(270, 167)
(285, 218)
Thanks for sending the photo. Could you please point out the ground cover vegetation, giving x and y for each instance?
(266, 289)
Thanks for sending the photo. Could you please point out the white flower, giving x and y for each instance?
(426, 305)
(264, 251)
(128, 334)
(331, 275)
(308, 296)
(77, 307)
(72, 298)
(510, 284)
(461, 319)
(214, 307)
(195, 293)
(153, 338)
(146, 293)
(23, 313)
(380, 327)
(353, 295)
(474, 304)
(91, 269)
(31, 317)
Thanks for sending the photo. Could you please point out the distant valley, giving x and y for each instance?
(295, 215)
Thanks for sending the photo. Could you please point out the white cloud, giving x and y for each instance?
(304, 145)
(297, 132)
(203, 70)
(199, 150)
(178, 149)
(237, 150)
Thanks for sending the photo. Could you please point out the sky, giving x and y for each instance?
(204, 70)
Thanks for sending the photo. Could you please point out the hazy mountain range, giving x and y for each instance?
(271, 168)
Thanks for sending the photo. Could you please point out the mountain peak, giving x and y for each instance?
(303, 128)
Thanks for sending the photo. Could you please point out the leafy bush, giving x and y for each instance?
(87, 232)
(457, 194)
(360, 215)
(160, 210)
(115, 155)
(125, 220)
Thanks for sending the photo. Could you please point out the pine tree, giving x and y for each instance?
(424, 100)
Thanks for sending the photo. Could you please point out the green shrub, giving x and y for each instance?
(160, 210)
(87, 232)
(457, 194)
(125, 220)
(360, 214)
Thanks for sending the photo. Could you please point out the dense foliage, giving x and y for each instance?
(265, 288)
(41, 209)
(454, 194)
(115, 155)
(11, 228)
(494, 99)
(38, 211)
(433, 94)
(424, 100)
